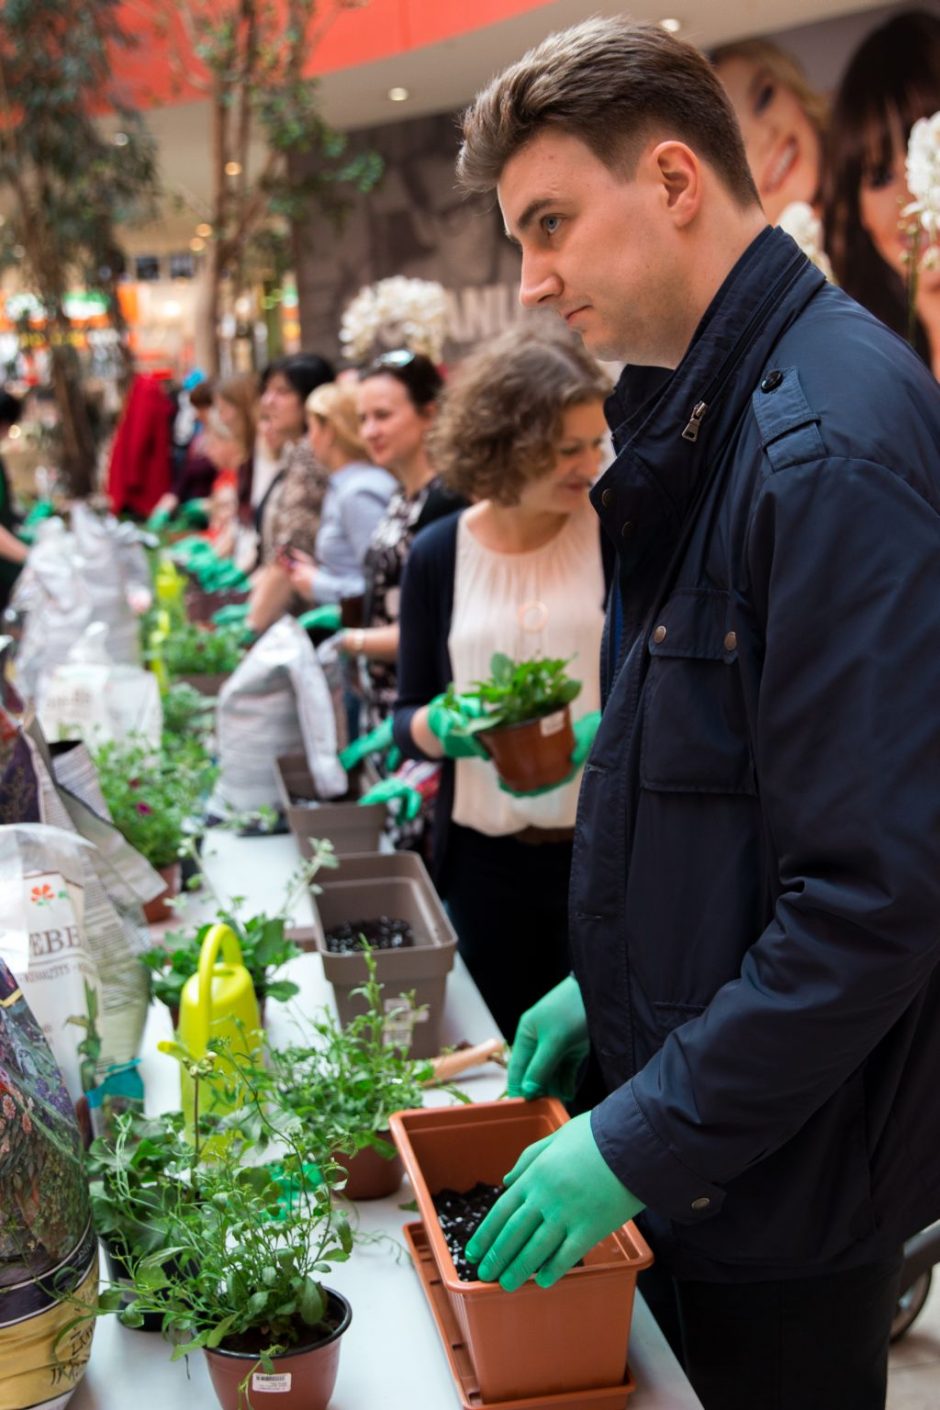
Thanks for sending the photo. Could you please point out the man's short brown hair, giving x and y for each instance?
(613, 83)
(500, 422)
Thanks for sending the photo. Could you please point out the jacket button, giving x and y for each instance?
(627, 528)
(659, 634)
(702, 1202)
(731, 641)
(772, 381)
(606, 498)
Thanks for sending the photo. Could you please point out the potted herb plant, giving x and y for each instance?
(203, 657)
(242, 1249)
(346, 1082)
(525, 719)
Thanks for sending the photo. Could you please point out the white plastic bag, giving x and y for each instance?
(91, 697)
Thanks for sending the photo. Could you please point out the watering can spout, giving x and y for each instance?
(218, 1002)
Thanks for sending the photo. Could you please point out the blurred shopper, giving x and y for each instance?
(236, 401)
(355, 500)
(892, 80)
(288, 517)
(13, 550)
(520, 432)
(139, 474)
(782, 119)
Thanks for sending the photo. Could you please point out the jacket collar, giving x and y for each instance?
(657, 465)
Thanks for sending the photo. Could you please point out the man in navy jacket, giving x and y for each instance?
(755, 902)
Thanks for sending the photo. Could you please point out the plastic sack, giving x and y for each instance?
(48, 1247)
(276, 702)
(89, 696)
(114, 569)
(52, 595)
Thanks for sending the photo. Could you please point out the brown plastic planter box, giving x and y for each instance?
(536, 1341)
(341, 821)
(386, 884)
(206, 683)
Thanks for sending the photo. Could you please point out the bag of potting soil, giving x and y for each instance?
(48, 1248)
(277, 701)
(90, 696)
(114, 570)
(54, 599)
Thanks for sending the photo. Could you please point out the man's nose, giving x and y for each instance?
(538, 284)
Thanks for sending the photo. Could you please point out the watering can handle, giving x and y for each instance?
(219, 937)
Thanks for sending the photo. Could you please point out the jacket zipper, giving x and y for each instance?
(695, 421)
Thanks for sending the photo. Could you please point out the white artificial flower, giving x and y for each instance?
(805, 227)
(923, 174)
(396, 312)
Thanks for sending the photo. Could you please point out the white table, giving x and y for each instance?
(391, 1358)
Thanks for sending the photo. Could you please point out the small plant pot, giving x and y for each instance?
(536, 1341)
(301, 1380)
(536, 754)
(208, 683)
(387, 884)
(159, 909)
(368, 1174)
(342, 821)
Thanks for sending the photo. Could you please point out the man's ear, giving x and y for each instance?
(679, 173)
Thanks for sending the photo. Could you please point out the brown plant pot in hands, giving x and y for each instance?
(535, 754)
(159, 909)
(536, 1341)
(302, 1379)
(368, 1174)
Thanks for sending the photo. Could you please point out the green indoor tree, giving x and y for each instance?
(70, 186)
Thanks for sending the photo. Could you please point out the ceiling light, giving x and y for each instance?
(14, 433)
(205, 230)
(671, 26)
(120, 139)
(196, 245)
(233, 168)
(398, 95)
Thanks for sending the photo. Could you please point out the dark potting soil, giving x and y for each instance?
(460, 1215)
(302, 1335)
(383, 933)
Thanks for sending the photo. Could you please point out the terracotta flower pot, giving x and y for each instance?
(301, 1380)
(536, 1341)
(158, 909)
(368, 1174)
(536, 754)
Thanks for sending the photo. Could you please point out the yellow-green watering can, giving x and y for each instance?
(218, 1001)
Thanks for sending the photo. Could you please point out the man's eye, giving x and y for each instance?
(550, 223)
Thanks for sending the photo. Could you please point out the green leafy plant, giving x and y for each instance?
(187, 713)
(228, 1252)
(192, 651)
(154, 797)
(344, 1084)
(264, 943)
(516, 692)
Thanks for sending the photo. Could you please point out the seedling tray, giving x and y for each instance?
(458, 1357)
(350, 827)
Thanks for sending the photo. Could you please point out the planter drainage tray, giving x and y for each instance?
(342, 821)
(458, 1357)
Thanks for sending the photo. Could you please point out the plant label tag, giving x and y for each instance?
(274, 1385)
(551, 724)
(400, 1019)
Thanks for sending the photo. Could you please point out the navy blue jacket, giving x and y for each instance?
(755, 903)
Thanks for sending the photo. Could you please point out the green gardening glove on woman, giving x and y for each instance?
(550, 1045)
(327, 617)
(561, 1199)
(449, 726)
(389, 790)
(375, 742)
(584, 731)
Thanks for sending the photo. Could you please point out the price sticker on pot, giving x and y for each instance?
(551, 724)
(274, 1384)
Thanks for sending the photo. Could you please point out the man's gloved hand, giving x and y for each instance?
(374, 742)
(450, 727)
(584, 731)
(387, 790)
(327, 617)
(562, 1199)
(550, 1045)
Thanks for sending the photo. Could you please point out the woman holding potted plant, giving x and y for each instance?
(521, 434)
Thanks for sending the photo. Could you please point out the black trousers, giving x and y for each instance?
(508, 902)
(818, 1343)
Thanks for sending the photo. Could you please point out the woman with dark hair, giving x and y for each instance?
(892, 80)
(397, 398)
(521, 434)
(288, 516)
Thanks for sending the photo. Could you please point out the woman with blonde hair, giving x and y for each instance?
(356, 496)
(782, 120)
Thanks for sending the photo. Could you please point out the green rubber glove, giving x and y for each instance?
(327, 617)
(584, 731)
(192, 513)
(562, 1199)
(450, 727)
(550, 1045)
(158, 520)
(233, 614)
(374, 742)
(388, 790)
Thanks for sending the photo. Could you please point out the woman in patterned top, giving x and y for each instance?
(397, 398)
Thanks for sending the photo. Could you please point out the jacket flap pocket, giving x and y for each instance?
(694, 625)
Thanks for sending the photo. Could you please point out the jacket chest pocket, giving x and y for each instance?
(695, 737)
